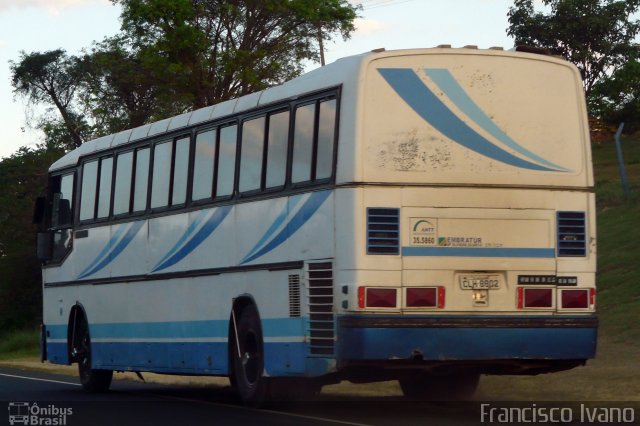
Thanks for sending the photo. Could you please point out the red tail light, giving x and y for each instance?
(535, 297)
(592, 298)
(575, 299)
(361, 297)
(381, 297)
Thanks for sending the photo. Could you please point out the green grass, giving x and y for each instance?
(618, 302)
(20, 344)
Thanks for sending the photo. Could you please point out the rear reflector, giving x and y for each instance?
(381, 297)
(535, 297)
(425, 297)
(578, 299)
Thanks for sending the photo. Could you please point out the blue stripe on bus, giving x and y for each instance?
(305, 213)
(207, 229)
(479, 252)
(190, 229)
(115, 252)
(406, 83)
(293, 201)
(448, 84)
(271, 327)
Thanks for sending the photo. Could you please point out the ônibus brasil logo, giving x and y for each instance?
(25, 413)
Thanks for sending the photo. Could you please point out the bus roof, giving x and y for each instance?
(341, 72)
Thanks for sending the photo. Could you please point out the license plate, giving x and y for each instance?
(479, 282)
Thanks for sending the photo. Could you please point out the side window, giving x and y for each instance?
(277, 142)
(122, 190)
(161, 174)
(141, 180)
(303, 143)
(88, 193)
(226, 161)
(62, 194)
(104, 195)
(203, 165)
(180, 171)
(326, 136)
(251, 154)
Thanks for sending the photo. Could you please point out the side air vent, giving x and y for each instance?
(383, 231)
(321, 320)
(294, 296)
(572, 234)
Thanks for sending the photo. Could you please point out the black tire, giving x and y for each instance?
(423, 386)
(92, 380)
(248, 365)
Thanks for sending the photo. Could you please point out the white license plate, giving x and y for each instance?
(480, 282)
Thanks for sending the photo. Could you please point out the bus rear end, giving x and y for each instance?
(475, 220)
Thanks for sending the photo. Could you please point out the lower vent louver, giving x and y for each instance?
(572, 234)
(383, 231)
(321, 319)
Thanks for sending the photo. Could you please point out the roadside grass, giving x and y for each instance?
(20, 344)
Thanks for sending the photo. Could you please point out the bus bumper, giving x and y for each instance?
(466, 338)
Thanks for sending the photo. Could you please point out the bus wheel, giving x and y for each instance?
(248, 365)
(430, 387)
(92, 380)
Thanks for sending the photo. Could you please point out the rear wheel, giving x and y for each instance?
(431, 387)
(92, 380)
(248, 363)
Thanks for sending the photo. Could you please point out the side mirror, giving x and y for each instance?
(38, 210)
(44, 246)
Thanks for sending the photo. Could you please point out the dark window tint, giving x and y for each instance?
(122, 191)
(277, 149)
(303, 143)
(180, 171)
(88, 194)
(141, 180)
(251, 156)
(104, 197)
(227, 161)
(62, 201)
(203, 165)
(326, 136)
(161, 174)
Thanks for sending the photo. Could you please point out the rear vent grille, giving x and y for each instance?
(572, 234)
(321, 321)
(294, 296)
(383, 231)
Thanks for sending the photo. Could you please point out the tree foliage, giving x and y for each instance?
(172, 56)
(598, 36)
(23, 177)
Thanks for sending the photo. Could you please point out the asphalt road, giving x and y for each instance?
(57, 399)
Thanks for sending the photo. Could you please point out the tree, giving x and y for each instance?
(617, 99)
(51, 79)
(598, 36)
(23, 177)
(210, 51)
(174, 56)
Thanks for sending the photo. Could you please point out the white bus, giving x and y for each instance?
(422, 215)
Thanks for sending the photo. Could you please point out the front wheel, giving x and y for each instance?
(92, 380)
(431, 387)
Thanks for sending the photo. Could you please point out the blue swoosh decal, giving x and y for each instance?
(445, 81)
(117, 249)
(293, 201)
(196, 222)
(197, 239)
(300, 218)
(105, 251)
(426, 104)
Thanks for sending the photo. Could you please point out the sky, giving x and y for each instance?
(73, 25)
